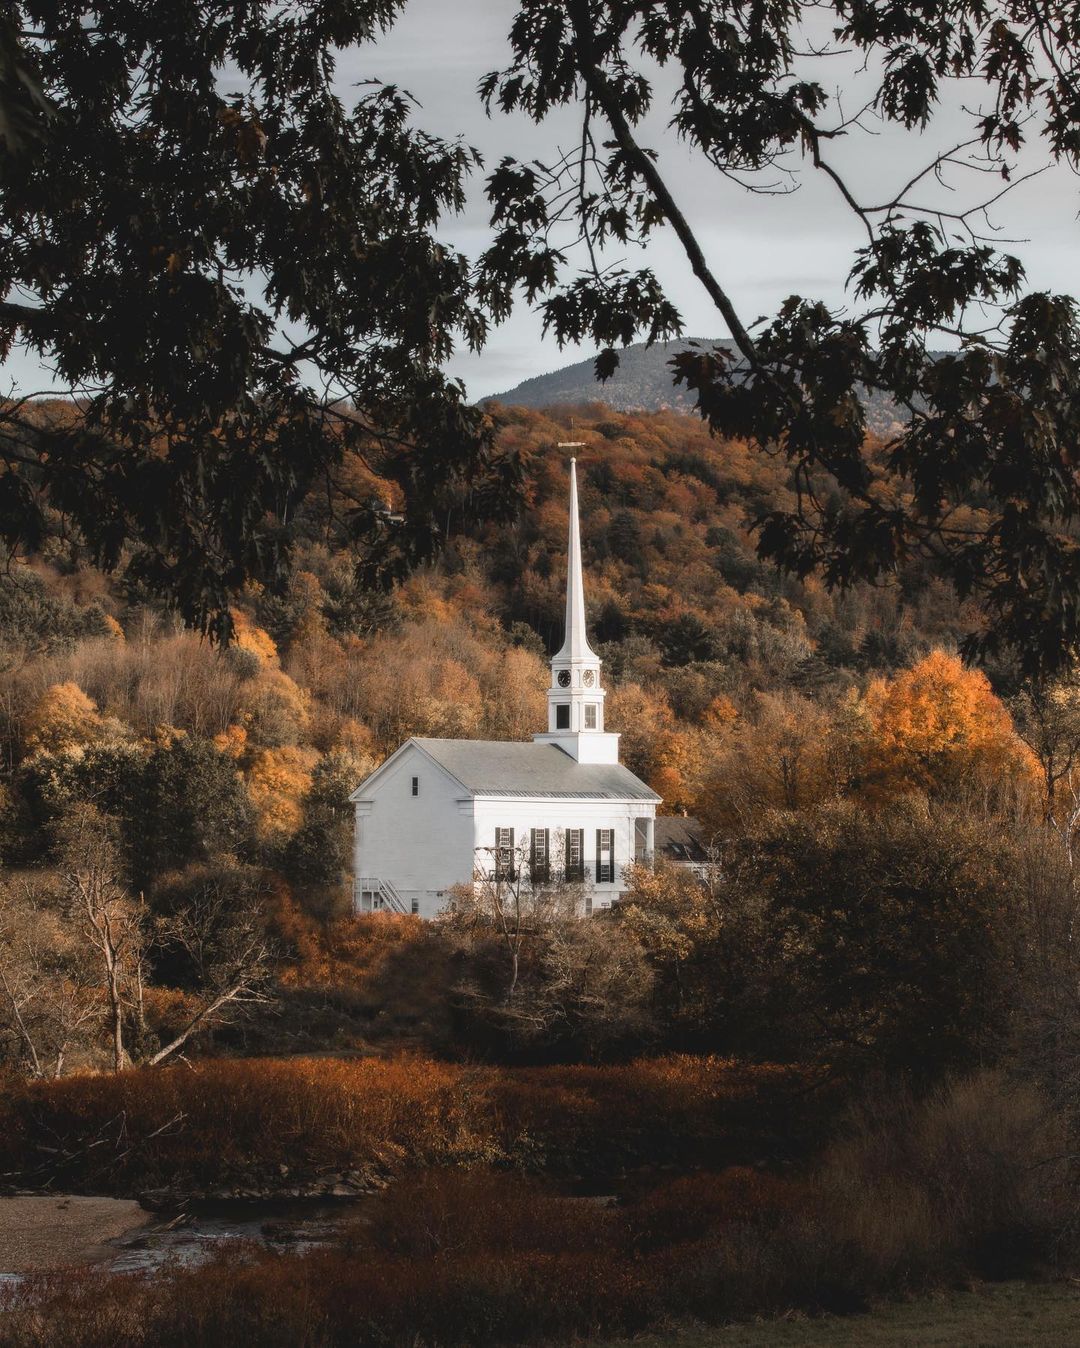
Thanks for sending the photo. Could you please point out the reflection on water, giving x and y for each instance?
(201, 1232)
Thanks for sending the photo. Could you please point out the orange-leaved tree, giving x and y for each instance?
(937, 726)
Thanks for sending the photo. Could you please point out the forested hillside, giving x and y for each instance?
(209, 786)
(326, 678)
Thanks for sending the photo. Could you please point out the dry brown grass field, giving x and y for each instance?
(1003, 1315)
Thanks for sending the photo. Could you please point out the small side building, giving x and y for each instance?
(683, 841)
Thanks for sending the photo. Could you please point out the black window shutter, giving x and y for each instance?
(575, 854)
(504, 854)
(605, 855)
(538, 861)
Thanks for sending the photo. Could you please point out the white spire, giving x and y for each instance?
(575, 641)
(576, 698)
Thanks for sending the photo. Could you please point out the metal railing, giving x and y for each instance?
(388, 897)
(392, 898)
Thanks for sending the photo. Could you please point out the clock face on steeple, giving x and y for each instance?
(564, 678)
(588, 678)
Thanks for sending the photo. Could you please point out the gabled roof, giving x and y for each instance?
(509, 768)
(679, 838)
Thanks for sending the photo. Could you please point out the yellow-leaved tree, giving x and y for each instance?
(783, 752)
(63, 717)
(249, 637)
(277, 782)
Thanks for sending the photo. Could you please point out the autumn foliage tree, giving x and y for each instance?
(676, 918)
(784, 752)
(277, 782)
(62, 717)
(937, 725)
(50, 1007)
(1047, 718)
(111, 919)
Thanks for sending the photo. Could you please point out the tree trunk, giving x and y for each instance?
(189, 1029)
(116, 1006)
(24, 1033)
(118, 1032)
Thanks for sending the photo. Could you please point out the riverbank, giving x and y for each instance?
(39, 1234)
(461, 1258)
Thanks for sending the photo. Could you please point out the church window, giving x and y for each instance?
(539, 864)
(504, 854)
(575, 854)
(590, 715)
(562, 716)
(605, 856)
(416, 906)
(416, 786)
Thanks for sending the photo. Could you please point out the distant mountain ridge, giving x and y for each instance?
(643, 381)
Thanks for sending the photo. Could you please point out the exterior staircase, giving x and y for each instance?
(390, 899)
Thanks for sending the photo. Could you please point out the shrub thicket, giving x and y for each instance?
(233, 1124)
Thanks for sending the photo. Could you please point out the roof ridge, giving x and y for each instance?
(528, 768)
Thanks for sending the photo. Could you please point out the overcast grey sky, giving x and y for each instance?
(762, 248)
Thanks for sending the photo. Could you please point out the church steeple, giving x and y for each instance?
(576, 641)
(575, 698)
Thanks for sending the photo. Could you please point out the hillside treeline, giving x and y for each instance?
(213, 782)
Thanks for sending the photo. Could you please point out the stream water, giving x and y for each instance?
(204, 1230)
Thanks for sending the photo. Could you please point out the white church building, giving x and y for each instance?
(441, 812)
